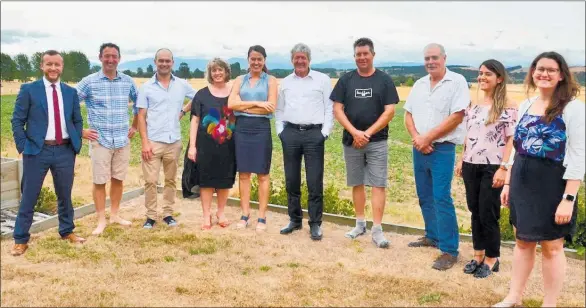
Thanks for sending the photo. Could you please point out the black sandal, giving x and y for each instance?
(472, 266)
(485, 271)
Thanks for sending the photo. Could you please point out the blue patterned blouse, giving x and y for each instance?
(535, 137)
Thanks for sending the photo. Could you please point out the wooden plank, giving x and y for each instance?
(9, 204)
(6, 159)
(9, 185)
(9, 171)
(9, 195)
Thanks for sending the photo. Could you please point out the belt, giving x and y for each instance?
(303, 126)
(443, 142)
(54, 142)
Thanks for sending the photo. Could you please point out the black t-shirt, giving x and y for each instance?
(364, 100)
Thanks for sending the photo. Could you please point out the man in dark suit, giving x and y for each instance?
(52, 138)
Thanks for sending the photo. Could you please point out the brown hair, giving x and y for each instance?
(50, 52)
(499, 95)
(262, 51)
(566, 90)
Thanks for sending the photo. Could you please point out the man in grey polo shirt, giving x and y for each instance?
(304, 119)
(160, 102)
(434, 114)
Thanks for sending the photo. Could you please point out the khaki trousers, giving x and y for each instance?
(168, 154)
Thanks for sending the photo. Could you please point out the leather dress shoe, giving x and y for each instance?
(315, 232)
(74, 239)
(291, 227)
(18, 249)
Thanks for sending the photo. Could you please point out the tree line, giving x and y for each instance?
(23, 68)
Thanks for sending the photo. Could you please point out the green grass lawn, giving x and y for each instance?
(401, 197)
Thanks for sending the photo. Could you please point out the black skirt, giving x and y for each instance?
(254, 144)
(536, 190)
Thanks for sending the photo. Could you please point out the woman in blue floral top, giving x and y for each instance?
(541, 186)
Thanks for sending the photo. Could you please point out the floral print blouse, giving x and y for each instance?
(485, 144)
(535, 137)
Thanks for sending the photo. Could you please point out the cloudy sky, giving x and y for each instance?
(471, 31)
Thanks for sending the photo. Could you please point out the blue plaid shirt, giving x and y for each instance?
(107, 106)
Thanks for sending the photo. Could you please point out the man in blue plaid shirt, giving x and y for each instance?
(106, 95)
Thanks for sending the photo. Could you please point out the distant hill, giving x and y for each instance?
(280, 66)
(273, 62)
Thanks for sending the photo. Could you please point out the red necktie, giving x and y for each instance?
(57, 116)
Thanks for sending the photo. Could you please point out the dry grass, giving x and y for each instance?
(226, 267)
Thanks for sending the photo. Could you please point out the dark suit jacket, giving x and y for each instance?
(31, 109)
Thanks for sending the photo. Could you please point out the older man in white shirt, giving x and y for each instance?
(304, 119)
(434, 115)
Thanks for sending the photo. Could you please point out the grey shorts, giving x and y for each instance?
(367, 166)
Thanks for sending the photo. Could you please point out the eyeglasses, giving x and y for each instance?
(550, 71)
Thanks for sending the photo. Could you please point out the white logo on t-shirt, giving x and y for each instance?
(363, 93)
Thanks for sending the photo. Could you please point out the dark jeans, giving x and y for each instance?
(308, 144)
(485, 205)
(433, 182)
(60, 159)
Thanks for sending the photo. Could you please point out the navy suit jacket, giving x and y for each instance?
(31, 109)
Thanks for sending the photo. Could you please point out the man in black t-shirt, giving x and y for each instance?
(364, 103)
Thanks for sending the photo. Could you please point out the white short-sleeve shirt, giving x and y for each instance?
(429, 107)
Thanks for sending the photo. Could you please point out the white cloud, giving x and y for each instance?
(468, 30)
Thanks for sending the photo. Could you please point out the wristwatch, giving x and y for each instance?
(569, 197)
(183, 112)
(504, 166)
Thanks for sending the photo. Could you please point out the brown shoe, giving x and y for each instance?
(18, 249)
(423, 242)
(72, 238)
(444, 262)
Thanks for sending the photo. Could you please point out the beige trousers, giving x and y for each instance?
(168, 154)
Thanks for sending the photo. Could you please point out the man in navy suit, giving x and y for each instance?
(52, 138)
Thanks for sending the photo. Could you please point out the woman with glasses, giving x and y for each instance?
(548, 167)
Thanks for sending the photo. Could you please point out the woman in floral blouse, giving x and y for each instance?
(547, 171)
(210, 141)
(490, 125)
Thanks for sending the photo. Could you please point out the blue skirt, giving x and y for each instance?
(254, 144)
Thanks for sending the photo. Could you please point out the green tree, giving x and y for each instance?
(197, 73)
(129, 73)
(36, 60)
(8, 68)
(139, 72)
(76, 66)
(150, 70)
(95, 69)
(235, 70)
(409, 82)
(23, 66)
(183, 71)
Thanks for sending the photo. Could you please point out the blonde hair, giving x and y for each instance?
(219, 63)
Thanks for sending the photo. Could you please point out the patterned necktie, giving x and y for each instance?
(57, 116)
